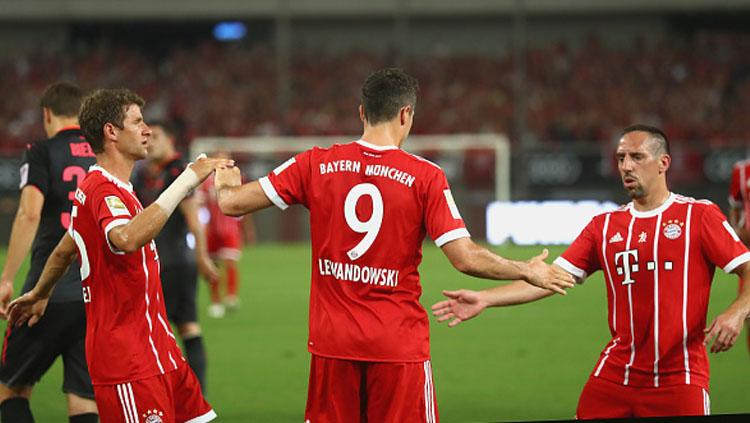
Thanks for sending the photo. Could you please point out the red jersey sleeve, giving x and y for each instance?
(109, 211)
(442, 219)
(581, 258)
(288, 183)
(735, 193)
(719, 241)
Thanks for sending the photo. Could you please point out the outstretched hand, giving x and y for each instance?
(6, 293)
(28, 307)
(203, 166)
(227, 177)
(548, 276)
(462, 305)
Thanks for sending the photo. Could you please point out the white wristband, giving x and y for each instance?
(178, 190)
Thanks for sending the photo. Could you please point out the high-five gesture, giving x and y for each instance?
(548, 276)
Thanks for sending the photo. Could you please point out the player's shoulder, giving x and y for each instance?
(742, 164)
(696, 202)
(37, 147)
(99, 179)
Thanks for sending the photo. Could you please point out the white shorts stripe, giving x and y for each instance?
(428, 393)
(132, 402)
(706, 403)
(125, 405)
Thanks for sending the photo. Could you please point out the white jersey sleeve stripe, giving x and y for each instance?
(280, 168)
(271, 193)
(742, 258)
(452, 236)
(731, 231)
(113, 224)
(204, 418)
(570, 268)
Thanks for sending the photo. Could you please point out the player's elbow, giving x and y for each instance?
(28, 217)
(121, 242)
(229, 207)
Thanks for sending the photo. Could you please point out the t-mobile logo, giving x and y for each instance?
(627, 263)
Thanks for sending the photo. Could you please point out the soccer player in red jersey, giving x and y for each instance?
(137, 369)
(224, 240)
(371, 205)
(658, 254)
(739, 207)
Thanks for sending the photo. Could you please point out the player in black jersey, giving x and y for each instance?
(50, 173)
(181, 244)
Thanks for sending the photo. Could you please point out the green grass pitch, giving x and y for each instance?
(523, 363)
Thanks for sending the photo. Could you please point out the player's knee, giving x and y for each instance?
(7, 392)
(78, 405)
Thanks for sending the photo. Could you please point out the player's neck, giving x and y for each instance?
(382, 135)
(651, 201)
(119, 166)
(57, 124)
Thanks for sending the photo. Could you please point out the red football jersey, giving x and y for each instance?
(225, 229)
(370, 208)
(739, 190)
(127, 334)
(658, 266)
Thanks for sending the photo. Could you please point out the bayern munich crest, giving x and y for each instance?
(673, 228)
(153, 416)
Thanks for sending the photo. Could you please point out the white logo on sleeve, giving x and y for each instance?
(116, 206)
(451, 204)
(24, 171)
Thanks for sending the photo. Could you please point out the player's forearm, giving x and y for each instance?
(741, 304)
(241, 200)
(514, 293)
(472, 259)
(140, 230)
(57, 265)
(189, 209)
(22, 236)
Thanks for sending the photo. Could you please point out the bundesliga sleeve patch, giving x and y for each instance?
(116, 206)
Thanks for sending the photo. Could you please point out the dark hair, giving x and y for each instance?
(169, 128)
(385, 92)
(662, 142)
(62, 99)
(102, 107)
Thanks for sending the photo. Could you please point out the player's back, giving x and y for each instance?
(370, 208)
(55, 167)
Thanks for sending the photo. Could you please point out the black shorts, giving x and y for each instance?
(180, 288)
(28, 352)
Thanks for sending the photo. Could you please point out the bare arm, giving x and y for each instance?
(236, 199)
(464, 304)
(726, 327)
(472, 259)
(189, 209)
(735, 219)
(32, 304)
(22, 236)
(146, 225)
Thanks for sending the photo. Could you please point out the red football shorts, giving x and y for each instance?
(347, 391)
(226, 246)
(174, 397)
(602, 399)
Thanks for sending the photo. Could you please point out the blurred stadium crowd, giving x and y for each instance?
(696, 88)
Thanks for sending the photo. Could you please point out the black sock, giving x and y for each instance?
(84, 418)
(196, 356)
(16, 410)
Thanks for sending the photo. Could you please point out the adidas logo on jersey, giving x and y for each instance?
(615, 238)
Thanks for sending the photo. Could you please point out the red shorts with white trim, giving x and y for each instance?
(602, 399)
(173, 397)
(347, 391)
(224, 246)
